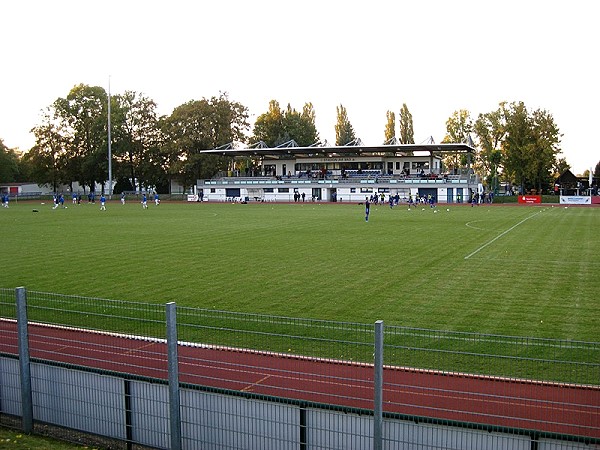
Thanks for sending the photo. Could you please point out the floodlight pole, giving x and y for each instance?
(109, 147)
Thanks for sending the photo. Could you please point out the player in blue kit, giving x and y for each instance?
(367, 208)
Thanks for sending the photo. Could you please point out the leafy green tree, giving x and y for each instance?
(530, 147)
(490, 131)
(597, 170)
(48, 158)
(83, 116)
(136, 135)
(9, 164)
(389, 133)
(458, 130)
(269, 127)
(344, 132)
(561, 166)
(201, 125)
(277, 126)
(545, 148)
(406, 126)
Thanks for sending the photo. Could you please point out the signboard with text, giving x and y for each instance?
(530, 199)
(575, 200)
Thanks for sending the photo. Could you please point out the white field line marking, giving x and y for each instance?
(472, 226)
(501, 234)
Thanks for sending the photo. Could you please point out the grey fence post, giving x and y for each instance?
(24, 363)
(173, 363)
(378, 394)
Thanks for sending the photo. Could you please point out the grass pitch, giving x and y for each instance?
(524, 271)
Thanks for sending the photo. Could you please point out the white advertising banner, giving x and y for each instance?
(192, 198)
(575, 200)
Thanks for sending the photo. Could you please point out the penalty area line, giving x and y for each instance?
(501, 234)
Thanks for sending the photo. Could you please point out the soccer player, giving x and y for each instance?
(156, 199)
(122, 198)
(102, 203)
(144, 201)
(367, 208)
(74, 197)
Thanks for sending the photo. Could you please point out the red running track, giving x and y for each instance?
(546, 407)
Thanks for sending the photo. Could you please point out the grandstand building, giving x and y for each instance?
(341, 173)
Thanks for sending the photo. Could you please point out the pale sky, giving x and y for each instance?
(370, 56)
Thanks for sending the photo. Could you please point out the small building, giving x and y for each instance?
(341, 174)
(24, 189)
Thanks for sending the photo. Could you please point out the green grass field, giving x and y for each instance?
(512, 270)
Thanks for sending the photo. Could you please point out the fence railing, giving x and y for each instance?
(258, 381)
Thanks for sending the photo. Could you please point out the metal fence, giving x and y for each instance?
(163, 376)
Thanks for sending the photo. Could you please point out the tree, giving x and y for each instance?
(545, 148)
(597, 170)
(389, 134)
(406, 126)
(201, 125)
(136, 135)
(344, 132)
(269, 127)
(83, 117)
(530, 147)
(48, 158)
(561, 166)
(458, 130)
(9, 164)
(490, 131)
(277, 126)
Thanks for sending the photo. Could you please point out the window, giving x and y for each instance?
(418, 165)
(283, 190)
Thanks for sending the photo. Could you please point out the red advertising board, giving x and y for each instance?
(596, 199)
(530, 199)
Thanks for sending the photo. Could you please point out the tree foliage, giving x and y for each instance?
(9, 164)
(406, 126)
(530, 147)
(277, 126)
(389, 133)
(82, 117)
(458, 130)
(490, 131)
(201, 125)
(49, 158)
(137, 138)
(344, 132)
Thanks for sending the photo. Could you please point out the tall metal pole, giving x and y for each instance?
(378, 387)
(173, 366)
(109, 147)
(24, 362)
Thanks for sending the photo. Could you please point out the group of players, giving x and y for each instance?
(394, 200)
(58, 200)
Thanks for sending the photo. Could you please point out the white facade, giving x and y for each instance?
(454, 190)
(342, 174)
